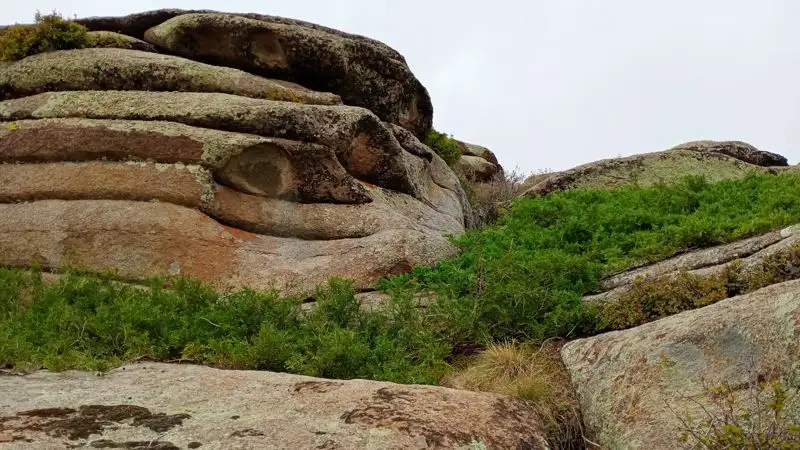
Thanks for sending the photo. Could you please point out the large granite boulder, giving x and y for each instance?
(161, 406)
(362, 71)
(637, 386)
(714, 160)
(250, 192)
(150, 164)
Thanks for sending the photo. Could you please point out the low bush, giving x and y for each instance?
(445, 146)
(761, 415)
(653, 298)
(523, 277)
(48, 33)
(89, 322)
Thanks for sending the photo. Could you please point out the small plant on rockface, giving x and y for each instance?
(650, 299)
(489, 199)
(777, 268)
(48, 33)
(445, 146)
(656, 297)
(759, 415)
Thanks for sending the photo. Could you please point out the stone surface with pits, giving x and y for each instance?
(176, 405)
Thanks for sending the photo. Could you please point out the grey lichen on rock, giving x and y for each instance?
(133, 70)
(636, 386)
(644, 170)
(361, 71)
(109, 39)
(346, 414)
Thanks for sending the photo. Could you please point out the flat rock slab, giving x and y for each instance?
(133, 70)
(636, 385)
(185, 406)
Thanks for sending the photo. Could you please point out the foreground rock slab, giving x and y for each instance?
(184, 406)
(635, 386)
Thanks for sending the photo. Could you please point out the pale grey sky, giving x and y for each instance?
(550, 84)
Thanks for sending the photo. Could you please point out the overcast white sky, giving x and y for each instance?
(550, 84)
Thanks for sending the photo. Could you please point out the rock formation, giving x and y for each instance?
(636, 385)
(180, 406)
(145, 163)
(715, 160)
(478, 163)
(362, 71)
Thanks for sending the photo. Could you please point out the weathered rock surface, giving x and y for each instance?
(748, 254)
(716, 161)
(479, 151)
(364, 72)
(636, 385)
(362, 143)
(476, 168)
(342, 197)
(109, 39)
(293, 195)
(141, 239)
(736, 149)
(174, 406)
(290, 185)
(133, 70)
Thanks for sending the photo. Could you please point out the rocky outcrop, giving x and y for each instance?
(736, 149)
(479, 151)
(148, 164)
(184, 406)
(132, 70)
(362, 71)
(109, 39)
(714, 160)
(636, 386)
(476, 168)
(477, 163)
(748, 254)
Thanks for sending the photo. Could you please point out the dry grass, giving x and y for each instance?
(653, 298)
(533, 373)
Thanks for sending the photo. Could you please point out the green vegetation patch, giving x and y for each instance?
(48, 33)
(97, 323)
(445, 146)
(521, 278)
(524, 276)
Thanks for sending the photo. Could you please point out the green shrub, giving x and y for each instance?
(48, 33)
(523, 277)
(651, 299)
(90, 322)
(445, 146)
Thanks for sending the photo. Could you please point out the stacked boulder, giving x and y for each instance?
(242, 150)
(478, 163)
